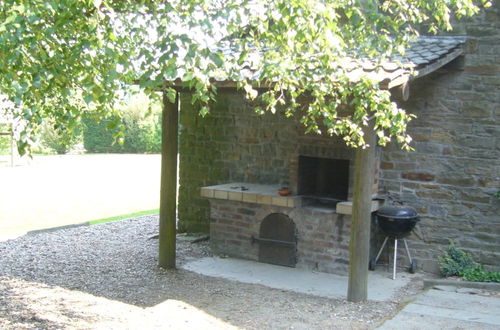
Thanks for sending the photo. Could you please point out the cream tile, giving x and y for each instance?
(279, 201)
(250, 198)
(235, 196)
(220, 194)
(264, 199)
(293, 202)
(209, 193)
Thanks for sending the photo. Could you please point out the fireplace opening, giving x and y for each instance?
(323, 181)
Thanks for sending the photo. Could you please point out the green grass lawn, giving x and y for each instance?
(124, 216)
(53, 191)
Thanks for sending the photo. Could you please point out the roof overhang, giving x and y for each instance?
(424, 56)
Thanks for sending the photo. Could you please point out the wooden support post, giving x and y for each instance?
(359, 245)
(168, 186)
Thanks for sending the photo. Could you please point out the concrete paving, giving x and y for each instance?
(449, 308)
(381, 285)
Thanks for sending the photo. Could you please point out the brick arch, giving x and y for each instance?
(278, 240)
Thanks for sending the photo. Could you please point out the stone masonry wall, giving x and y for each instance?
(453, 174)
(230, 144)
(234, 144)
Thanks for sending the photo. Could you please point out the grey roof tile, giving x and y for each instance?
(422, 53)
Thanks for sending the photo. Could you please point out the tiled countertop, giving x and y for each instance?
(267, 195)
(251, 193)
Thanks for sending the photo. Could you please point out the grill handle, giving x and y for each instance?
(272, 241)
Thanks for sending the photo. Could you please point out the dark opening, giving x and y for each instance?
(278, 240)
(323, 180)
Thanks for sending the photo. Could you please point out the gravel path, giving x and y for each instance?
(106, 276)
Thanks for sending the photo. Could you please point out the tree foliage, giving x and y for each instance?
(56, 139)
(141, 121)
(53, 52)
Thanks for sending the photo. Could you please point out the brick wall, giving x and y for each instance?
(453, 174)
(323, 236)
(230, 144)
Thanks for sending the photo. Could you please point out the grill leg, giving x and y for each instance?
(407, 251)
(395, 258)
(381, 248)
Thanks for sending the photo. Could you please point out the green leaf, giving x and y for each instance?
(171, 95)
(88, 98)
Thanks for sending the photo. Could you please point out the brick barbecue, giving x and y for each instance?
(237, 212)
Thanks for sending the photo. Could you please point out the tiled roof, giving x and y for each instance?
(424, 56)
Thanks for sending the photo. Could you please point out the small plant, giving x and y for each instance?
(58, 138)
(455, 261)
(478, 274)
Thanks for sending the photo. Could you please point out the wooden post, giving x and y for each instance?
(168, 186)
(359, 245)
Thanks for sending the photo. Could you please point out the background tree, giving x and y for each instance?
(55, 138)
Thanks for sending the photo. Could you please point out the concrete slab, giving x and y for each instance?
(412, 321)
(444, 309)
(381, 286)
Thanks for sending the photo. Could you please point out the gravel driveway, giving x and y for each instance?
(106, 276)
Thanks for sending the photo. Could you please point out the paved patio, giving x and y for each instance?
(380, 284)
(448, 307)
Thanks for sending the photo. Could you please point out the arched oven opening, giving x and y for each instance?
(277, 240)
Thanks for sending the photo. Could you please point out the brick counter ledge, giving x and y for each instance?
(267, 195)
(251, 193)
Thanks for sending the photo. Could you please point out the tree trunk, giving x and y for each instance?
(168, 187)
(359, 245)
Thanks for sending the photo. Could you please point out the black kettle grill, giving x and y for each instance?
(396, 222)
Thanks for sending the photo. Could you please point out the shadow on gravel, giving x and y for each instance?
(22, 306)
(115, 266)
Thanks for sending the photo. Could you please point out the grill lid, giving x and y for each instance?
(397, 212)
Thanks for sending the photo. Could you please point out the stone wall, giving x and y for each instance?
(230, 144)
(453, 174)
(234, 144)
